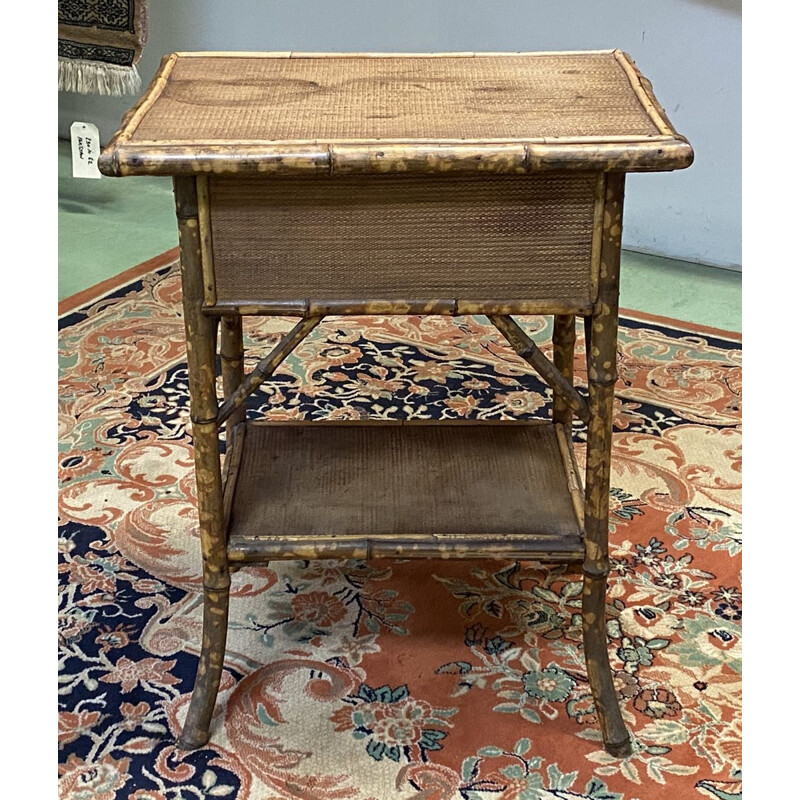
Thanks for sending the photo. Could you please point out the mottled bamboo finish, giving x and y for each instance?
(266, 367)
(564, 362)
(209, 669)
(602, 374)
(359, 307)
(630, 133)
(371, 157)
(201, 355)
(232, 361)
(527, 349)
(109, 161)
(194, 124)
(292, 160)
(206, 245)
(506, 548)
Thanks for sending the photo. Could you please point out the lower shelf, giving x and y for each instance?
(369, 490)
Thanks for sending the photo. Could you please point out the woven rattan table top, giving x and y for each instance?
(292, 112)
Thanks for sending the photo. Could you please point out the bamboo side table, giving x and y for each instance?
(455, 183)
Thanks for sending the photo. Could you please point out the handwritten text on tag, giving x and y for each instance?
(85, 150)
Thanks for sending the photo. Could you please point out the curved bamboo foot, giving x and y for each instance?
(209, 670)
(621, 750)
(615, 735)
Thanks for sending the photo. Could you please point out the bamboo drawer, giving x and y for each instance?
(393, 240)
(449, 183)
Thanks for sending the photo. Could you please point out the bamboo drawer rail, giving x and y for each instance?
(311, 184)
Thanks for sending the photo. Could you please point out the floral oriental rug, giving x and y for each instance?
(434, 680)
(99, 44)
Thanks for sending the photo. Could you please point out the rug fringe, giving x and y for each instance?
(94, 77)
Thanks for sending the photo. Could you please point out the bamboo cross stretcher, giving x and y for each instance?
(309, 185)
(236, 399)
(525, 347)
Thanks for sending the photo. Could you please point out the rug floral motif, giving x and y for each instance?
(434, 680)
(99, 44)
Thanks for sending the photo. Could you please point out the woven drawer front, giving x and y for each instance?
(404, 237)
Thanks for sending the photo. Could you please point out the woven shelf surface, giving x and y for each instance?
(360, 490)
(229, 112)
(335, 99)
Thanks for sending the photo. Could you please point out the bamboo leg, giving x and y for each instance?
(214, 338)
(232, 357)
(200, 346)
(563, 358)
(587, 338)
(231, 353)
(602, 359)
(266, 367)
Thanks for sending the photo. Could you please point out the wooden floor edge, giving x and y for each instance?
(99, 290)
(109, 285)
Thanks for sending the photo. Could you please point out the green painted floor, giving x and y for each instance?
(109, 225)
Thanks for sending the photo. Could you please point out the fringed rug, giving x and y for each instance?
(394, 679)
(99, 45)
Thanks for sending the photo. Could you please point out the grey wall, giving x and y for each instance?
(690, 49)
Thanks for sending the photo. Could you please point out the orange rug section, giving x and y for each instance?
(433, 680)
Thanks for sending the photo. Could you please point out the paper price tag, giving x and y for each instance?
(85, 150)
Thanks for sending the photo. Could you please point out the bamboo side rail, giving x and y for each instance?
(110, 156)
(519, 548)
(643, 89)
(403, 422)
(444, 142)
(354, 307)
(587, 339)
(372, 54)
(141, 158)
(527, 349)
(571, 468)
(266, 367)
